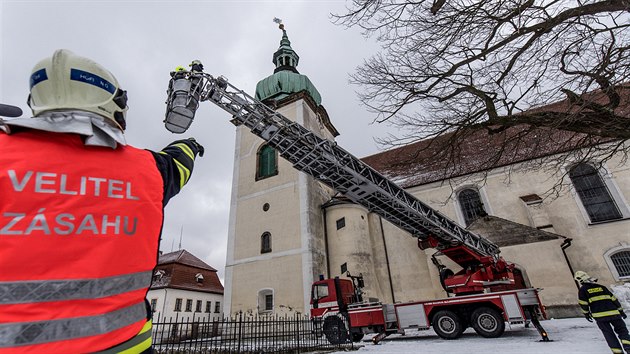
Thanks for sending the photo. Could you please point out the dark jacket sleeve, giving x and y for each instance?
(583, 300)
(175, 163)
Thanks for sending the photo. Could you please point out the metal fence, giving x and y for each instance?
(241, 333)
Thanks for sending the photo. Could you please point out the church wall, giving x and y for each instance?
(279, 221)
(544, 261)
(280, 274)
(248, 185)
(546, 269)
(313, 195)
(294, 220)
(409, 268)
(382, 261)
(315, 242)
(349, 243)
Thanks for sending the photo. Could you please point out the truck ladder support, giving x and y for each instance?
(379, 337)
(543, 334)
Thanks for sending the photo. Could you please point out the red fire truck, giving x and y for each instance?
(341, 313)
(486, 292)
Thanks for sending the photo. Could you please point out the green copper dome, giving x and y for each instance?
(286, 79)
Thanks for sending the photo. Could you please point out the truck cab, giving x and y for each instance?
(339, 311)
(331, 294)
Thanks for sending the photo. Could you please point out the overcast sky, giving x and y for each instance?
(140, 42)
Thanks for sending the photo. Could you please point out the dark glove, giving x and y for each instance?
(199, 147)
(589, 317)
(623, 314)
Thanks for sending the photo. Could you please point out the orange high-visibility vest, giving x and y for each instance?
(79, 233)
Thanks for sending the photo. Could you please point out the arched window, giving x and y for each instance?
(593, 193)
(267, 165)
(265, 301)
(265, 242)
(470, 204)
(621, 262)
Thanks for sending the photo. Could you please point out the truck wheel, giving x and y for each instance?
(335, 330)
(487, 322)
(447, 324)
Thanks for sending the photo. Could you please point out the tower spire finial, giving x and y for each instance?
(285, 58)
(279, 22)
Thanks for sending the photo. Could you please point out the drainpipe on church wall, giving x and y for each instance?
(566, 244)
(326, 242)
(389, 272)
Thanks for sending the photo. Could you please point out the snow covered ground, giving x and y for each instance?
(572, 335)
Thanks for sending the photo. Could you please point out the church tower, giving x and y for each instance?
(276, 243)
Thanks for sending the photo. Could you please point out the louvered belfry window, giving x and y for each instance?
(267, 162)
(593, 193)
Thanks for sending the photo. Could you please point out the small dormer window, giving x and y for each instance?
(158, 274)
(199, 277)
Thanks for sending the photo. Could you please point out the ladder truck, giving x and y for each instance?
(487, 292)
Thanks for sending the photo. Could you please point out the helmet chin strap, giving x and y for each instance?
(118, 117)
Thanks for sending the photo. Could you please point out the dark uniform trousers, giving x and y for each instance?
(611, 328)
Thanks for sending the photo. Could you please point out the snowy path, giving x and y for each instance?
(573, 335)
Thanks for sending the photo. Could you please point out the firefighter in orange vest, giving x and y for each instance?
(80, 215)
(599, 303)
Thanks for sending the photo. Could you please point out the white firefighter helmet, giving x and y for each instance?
(66, 81)
(582, 277)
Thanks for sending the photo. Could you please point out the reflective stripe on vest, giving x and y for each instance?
(21, 333)
(22, 292)
(79, 231)
(605, 313)
(601, 297)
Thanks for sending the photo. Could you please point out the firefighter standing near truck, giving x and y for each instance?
(81, 214)
(599, 303)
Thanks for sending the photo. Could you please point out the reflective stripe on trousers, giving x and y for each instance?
(137, 344)
(30, 333)
(23, 292)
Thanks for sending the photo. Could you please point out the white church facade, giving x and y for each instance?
(286, 228)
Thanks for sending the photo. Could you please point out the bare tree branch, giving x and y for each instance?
(449, 66)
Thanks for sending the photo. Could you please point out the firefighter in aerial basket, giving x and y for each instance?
(599, 303)
(80, 215)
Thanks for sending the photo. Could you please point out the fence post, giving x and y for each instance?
(297, 330)
(240, 330)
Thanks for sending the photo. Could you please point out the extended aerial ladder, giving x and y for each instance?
(482, 267)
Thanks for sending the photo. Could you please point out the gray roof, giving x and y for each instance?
(504, 232)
